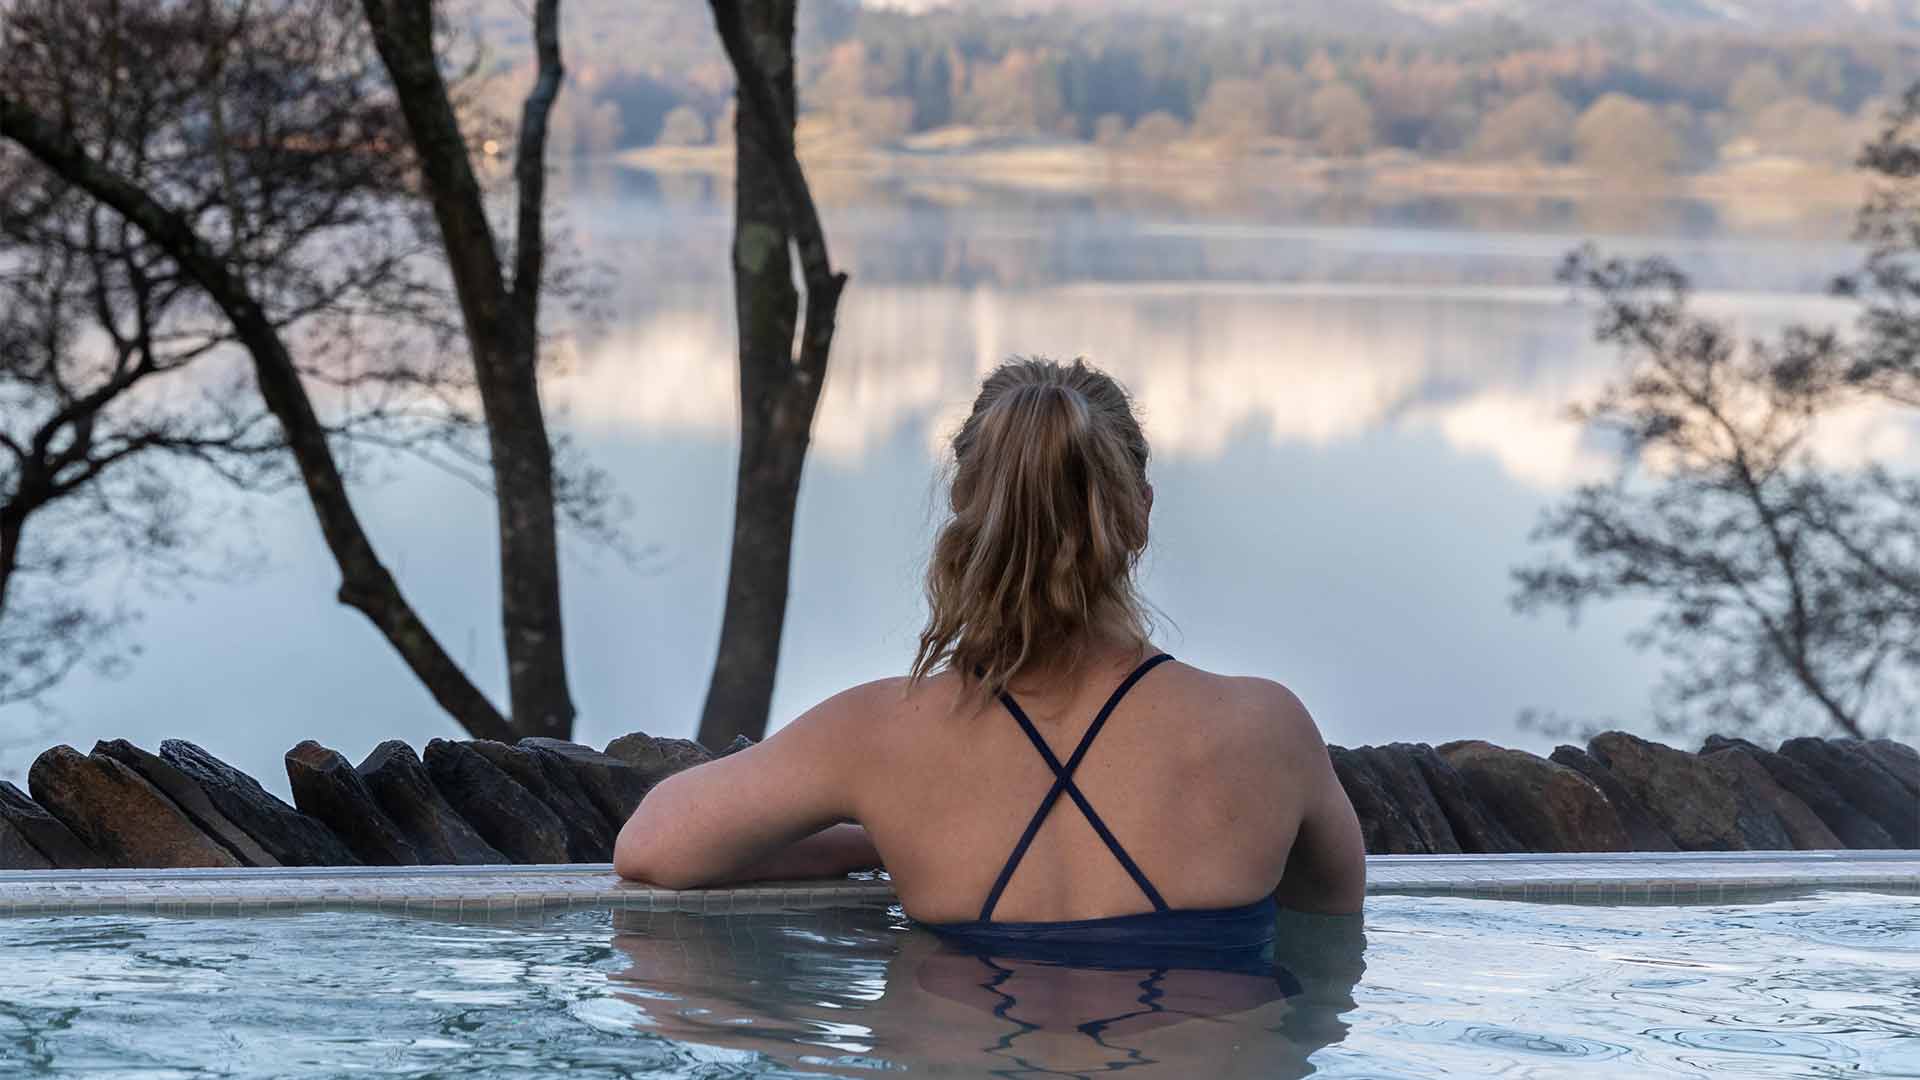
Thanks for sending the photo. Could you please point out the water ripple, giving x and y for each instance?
(1751, 1041)
(1439, 987)
(1512, 1041)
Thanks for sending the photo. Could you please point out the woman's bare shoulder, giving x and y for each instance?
(1250, 707)
(883, 704)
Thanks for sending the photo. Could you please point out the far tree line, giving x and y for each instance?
(1616, 101)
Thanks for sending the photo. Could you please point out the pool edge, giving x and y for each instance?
(488, 891)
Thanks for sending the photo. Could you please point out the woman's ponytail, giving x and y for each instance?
(1050, 503)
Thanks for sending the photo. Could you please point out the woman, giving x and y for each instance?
(1043, 773)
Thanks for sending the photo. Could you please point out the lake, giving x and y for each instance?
(1356, 404)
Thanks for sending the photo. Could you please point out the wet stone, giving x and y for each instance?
(589, 837)
(1547, 806)
(119, 814)
(1383, 825)
(611, 785)
(407, 794)
(325, 785)
(1642, 831)
(53, 840)
(1863, 783)
(193, 802)
(504, 813)
(1474, 826)
(285, 833)
(1395, 766)
(657, 758)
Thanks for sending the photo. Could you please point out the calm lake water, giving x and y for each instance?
(1356, 406)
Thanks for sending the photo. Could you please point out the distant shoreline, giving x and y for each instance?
(1197, 167)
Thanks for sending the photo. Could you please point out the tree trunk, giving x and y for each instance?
(529, 551)
(12, 523)
(778, 392)
(502, 325)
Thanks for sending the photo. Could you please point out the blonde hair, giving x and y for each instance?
(1049, 500)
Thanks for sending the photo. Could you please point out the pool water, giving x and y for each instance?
(1818, 985)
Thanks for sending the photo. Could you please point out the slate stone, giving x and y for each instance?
(119, 814)
(1395, 766)
(1862, 783)
(1547, 806)
(1642, 831)
(1898, 759)
(406, 792)
(658, 758)
(53, 840)
(1848, 822)
(1715, 743)
(739, 743)
(1687, 797)
(1474, 826)
(1383, 825)
(611, 785)
(16, 853)
(1857, 749)
(504, 813)
(326, 786)
(286, 834)
(1751, 781)
(193, 802)
(589, 837)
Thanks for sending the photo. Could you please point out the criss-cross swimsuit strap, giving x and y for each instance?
(1063, 783)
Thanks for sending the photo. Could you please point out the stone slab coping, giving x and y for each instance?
(495, 891)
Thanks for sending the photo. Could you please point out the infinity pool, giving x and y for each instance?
(1821, 985)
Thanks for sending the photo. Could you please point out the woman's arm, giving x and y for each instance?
(766, 811)
(1326, 871)
(831, 852)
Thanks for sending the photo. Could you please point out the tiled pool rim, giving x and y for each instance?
(490, 891)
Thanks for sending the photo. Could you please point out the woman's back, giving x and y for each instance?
(1203, 781)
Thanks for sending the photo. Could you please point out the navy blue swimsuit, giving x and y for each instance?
(1235, 938)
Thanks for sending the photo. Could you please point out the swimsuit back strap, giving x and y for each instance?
(1063, 783)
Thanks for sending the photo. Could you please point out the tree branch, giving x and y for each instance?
(530, 163)
(366, 584)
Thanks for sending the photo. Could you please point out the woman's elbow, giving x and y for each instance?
(630, 862)
(642, 872)
(635, 860)
(639, 855)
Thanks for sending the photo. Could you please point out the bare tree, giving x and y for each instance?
(780, 380)
(500, 307)
(249, 191)
(91, 322)
(1787, 589)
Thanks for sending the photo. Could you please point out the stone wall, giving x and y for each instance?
(550, 801)
(1624, 793)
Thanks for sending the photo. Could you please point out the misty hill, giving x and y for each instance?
(1410, 16)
